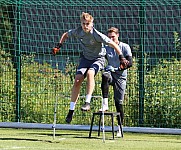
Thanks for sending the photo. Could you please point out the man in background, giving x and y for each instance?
(116, 78)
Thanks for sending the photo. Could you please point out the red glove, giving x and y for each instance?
(56, 48)
(123, 62)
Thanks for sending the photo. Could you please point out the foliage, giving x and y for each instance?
(163, 94)
(42, 85)
(177, 43)
(131, 101)
(7, 84)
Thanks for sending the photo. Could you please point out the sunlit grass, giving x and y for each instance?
(34, 139)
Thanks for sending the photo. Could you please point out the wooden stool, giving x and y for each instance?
(112, 114)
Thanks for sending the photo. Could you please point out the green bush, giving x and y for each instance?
(7, 90)
(42, 85)
(163, 95)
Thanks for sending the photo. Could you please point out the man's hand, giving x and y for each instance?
(56, 48)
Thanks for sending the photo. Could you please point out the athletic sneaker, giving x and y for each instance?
(105, 108)
(119, 132)
(86, 107)
(69, 116)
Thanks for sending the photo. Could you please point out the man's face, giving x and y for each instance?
(113, 36)
(87, 25)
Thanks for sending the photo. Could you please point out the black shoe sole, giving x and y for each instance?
(103, 111)
(85, 109)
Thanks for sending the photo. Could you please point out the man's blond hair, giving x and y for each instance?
(113, 29)
(86, 16)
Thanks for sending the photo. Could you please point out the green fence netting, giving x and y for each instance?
(31, 78)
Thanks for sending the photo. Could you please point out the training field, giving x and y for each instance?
(34, 139)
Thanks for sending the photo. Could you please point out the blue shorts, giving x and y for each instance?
(95, 64)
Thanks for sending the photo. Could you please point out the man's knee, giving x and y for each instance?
(78, 80)
(106, 77)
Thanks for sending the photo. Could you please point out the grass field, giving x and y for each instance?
(34, 139)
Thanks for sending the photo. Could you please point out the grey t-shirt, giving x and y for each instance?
(113, 58)
(92, 42)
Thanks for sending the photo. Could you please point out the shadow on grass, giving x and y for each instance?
(25, 139)
(80, 135)
(159, 141)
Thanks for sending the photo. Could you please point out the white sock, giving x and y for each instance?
(105, 101)
(119, 130)
(72, 105)
(88, 98)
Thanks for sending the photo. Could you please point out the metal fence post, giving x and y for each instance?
(18, 61)
(141, 62)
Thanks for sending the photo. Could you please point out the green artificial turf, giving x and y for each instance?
(34, 139)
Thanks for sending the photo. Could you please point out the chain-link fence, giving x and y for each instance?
(31, 78)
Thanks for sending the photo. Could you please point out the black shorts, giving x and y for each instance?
(119, 86)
